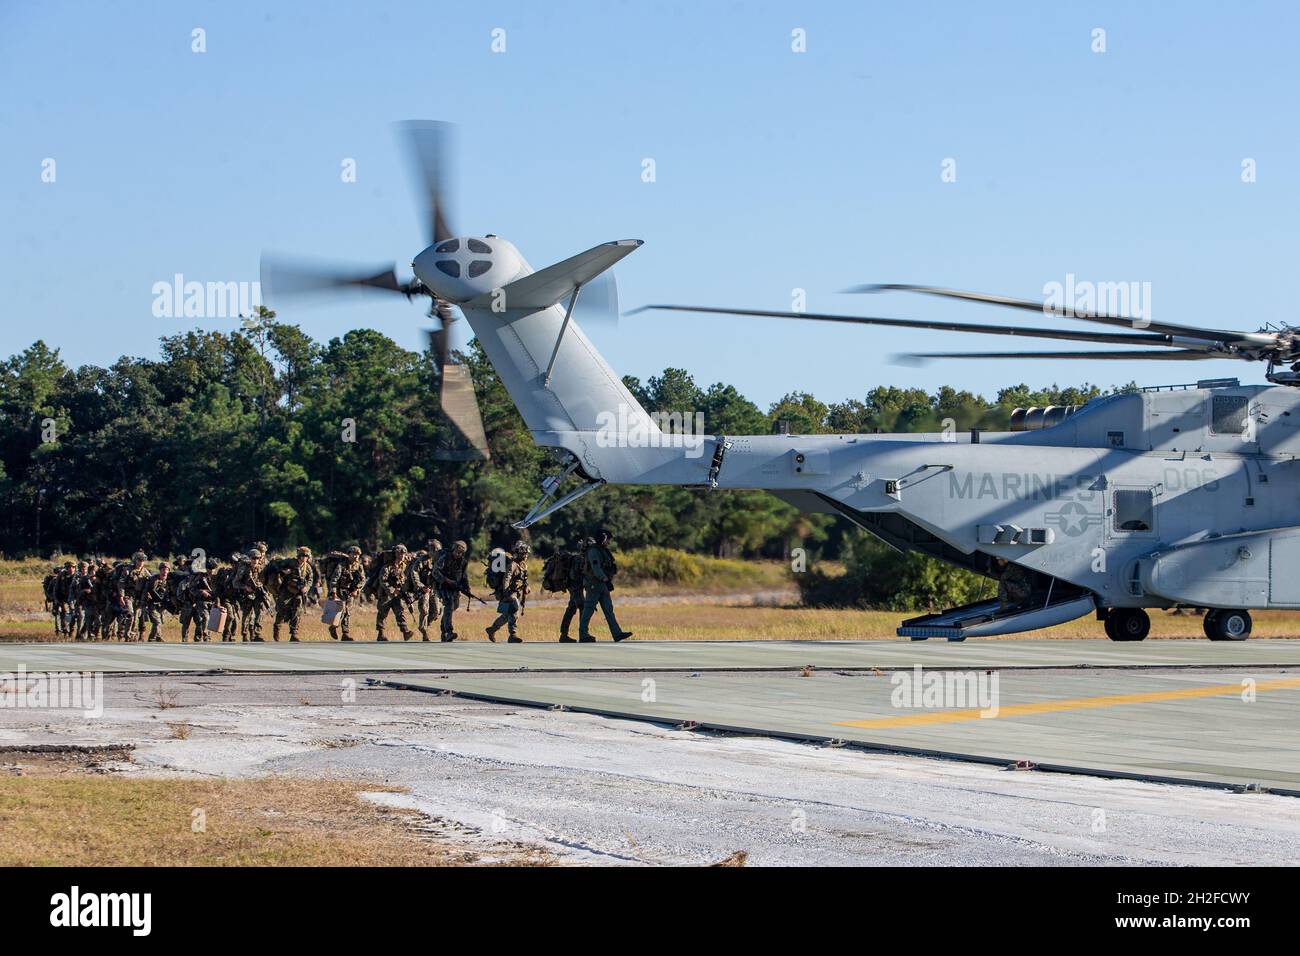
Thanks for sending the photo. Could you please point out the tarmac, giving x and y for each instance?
(594, 789)
(480, 656)
(1201, 713)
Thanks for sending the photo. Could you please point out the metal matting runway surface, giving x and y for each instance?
(1185, 726)
(643, 656)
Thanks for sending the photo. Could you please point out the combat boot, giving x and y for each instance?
(491, 634)
(565, 639)
(448, 637)
(514, 639)
(621, 637)
(334, 633)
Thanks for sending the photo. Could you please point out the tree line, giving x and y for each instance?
(262, 433)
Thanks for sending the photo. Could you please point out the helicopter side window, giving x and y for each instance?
(1133, 511)
(1228, 414)
(451, 245)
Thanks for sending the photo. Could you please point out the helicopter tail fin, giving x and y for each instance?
(568, 395)
(554, 374)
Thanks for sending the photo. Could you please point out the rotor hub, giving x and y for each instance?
(464, 267)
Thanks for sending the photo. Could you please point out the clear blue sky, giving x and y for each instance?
(775, 170)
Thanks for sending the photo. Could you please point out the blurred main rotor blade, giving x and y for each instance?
(461, 408)
(428, 147)
(288, 277)
(1133, 338)
(1139, 354)
(1168, 328)
(598, 301)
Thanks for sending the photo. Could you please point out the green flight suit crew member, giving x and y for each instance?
(598, 581)
(575, 569)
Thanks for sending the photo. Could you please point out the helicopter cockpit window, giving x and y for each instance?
(479, 246)
(450, 266)
(1228, 414)
(451, 245)
(1133, 510)
(478, 267)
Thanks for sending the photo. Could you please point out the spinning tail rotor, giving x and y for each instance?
(428, 145)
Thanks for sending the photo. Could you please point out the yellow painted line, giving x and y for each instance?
(1056, 706)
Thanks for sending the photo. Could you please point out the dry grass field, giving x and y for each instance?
(53, 813)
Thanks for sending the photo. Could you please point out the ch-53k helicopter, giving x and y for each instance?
(1173, 496)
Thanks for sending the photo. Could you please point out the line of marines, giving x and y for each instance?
(232, 600)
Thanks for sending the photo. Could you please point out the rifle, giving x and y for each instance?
(457, 587)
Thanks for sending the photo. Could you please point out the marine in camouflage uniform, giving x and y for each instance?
(346, 579)
(1015, 583)
(421, 584)
(102, 615)
(389, 590)
(290, 583)
(63, 592)
(511, 590)
(154, 597)
(598, 581)
(250, 593)
(451, 577)
(575, 565)
(47, 589)
(127, 583)
(226, 597)
(195, 595)
(83, 600)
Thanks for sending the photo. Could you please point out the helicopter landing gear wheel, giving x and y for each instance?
(1223, 625)
(1127, 624)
